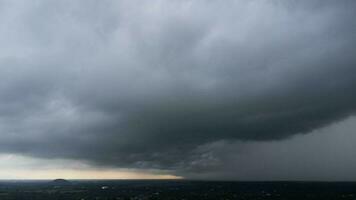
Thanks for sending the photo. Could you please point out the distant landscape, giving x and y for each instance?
(173, 189)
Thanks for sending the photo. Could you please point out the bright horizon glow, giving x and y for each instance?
(17, 167)
(77, 174)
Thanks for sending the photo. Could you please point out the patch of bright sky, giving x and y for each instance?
(21, 167)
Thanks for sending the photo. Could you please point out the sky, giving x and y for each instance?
(237, 90)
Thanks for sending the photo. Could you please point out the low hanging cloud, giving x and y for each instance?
(148, 84)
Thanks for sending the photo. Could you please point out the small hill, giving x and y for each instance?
(60, 182)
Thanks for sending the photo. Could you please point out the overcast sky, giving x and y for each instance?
(245, 90)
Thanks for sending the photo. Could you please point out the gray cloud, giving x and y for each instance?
(325, 154)
(148, 84)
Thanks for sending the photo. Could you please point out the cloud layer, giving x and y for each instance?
(151, 84)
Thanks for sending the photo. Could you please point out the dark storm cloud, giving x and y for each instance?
(326, 154)
(147, 84)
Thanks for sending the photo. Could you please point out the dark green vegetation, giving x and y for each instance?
(115, 190)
